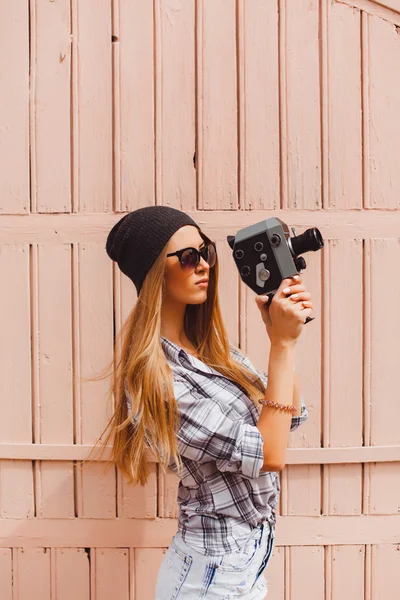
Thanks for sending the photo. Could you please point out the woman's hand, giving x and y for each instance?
(286, 315)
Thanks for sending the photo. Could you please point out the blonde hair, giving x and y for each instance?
(142, 377)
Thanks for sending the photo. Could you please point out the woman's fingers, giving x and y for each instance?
(300, 296)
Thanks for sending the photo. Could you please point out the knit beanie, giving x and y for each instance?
(137, 239)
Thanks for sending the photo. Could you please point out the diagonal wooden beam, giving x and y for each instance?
(388, 10)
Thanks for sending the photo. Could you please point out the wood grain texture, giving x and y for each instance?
(234, 112)
(14, 107)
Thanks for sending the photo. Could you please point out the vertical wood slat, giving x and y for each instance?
(341, 88)
(345, 401)
(217, 105)
(52, 63)
(56, 488)
(303, 109)
(92, 92)
(385, 409)
(383, 43)
(111, 573)
(385, 572)
(96, 490)
(16, 489)
(258, 104)
(14, 107)
(301, 484)
(72, 576)
(147, 564)
(6, 575)
(305, 573)
(135, 78)
(275, 574)
(32, 573)
(344, 586)
(175, 103)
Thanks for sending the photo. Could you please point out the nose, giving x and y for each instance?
(203, 264)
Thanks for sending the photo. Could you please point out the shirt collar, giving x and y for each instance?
(180, 357)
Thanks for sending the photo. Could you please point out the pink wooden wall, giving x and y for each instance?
(292, 107)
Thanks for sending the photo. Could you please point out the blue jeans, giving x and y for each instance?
(185, 574)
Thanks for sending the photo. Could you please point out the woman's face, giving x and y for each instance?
(182, 285)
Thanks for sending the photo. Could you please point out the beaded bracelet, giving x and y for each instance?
(285, 407)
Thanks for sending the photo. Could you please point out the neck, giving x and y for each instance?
(172, 322)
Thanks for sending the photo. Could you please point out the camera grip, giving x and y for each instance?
(269, 303)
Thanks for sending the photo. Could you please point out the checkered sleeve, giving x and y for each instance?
(211, 430)
(240, 357)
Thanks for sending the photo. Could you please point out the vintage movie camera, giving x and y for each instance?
(265, 254)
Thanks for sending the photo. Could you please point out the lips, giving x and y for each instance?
(202, 281)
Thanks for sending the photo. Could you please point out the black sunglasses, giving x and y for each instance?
(189, 258)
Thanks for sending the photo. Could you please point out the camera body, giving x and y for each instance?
(265, 253)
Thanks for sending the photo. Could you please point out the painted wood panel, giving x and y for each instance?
(233, 111)
(14, 106)
(51, 126)
(134, 105)
(217, 104)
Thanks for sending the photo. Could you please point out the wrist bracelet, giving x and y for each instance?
(285, 407)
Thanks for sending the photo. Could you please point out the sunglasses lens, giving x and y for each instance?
(189, 259)
(210, 255)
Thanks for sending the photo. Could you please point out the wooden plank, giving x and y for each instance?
(175, 103)
(14, 106)
(217, 105)
(16, 489)
(96, 490)
(301, 485)
(386, 10)
(92, 104)
(54, 410)
(343, 586)
(167, 495)
(385, 409)
(303, 109)
(6, 574)
(52, 127)
(294, 456)
(111, 573)
(72, 574)
(135, 82)
(384, 127)
(147, 565)
(32, 573)
(259, 145)
(275, 574)
(302, 562)
(344, 381)
(342, 123)
(338, 225)
(156, 533)
(385, 571)
(139, 502)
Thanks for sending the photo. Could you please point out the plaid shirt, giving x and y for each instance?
(223, 494)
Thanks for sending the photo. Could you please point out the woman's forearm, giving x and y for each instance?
(274, 424)
(296, 397)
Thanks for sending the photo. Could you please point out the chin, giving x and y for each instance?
(198, 298)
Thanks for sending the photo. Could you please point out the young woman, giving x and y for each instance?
(187, 395)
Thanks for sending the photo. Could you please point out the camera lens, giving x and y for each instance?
(311, 239)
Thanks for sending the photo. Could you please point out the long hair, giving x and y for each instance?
(145, 419)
